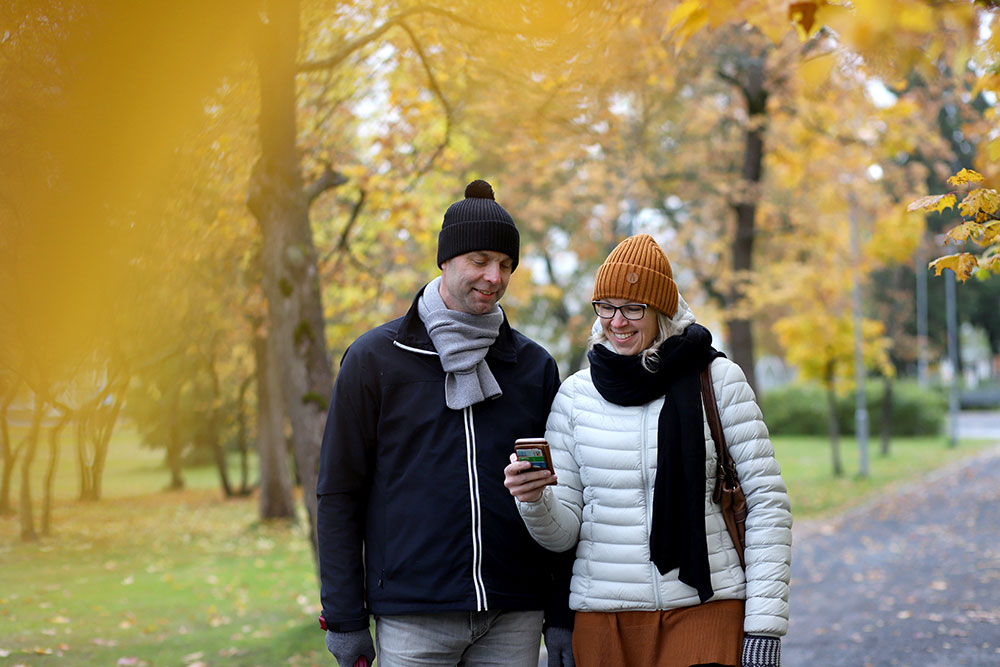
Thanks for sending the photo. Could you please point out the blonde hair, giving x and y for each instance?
(665, 328)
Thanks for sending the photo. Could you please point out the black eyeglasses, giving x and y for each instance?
(630, 311)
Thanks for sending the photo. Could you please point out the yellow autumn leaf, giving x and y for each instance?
(965, 176)
(963, 264)
(771, 19)
(987, 82)
(981, 203)
(991, 233)
(803, 15)
(917, 17)
(962, 233)
(993, 149)
(682, 13)
(687, 19)
(815, 72)
(933, 203)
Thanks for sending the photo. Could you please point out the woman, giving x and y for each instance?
(657, 580)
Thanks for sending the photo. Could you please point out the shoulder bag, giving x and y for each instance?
(727, 493)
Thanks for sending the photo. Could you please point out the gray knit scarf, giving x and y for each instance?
(462, 341)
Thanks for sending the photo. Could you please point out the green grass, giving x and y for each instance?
(806, 466)
(131, 469)
(164, 579)
(154, 577)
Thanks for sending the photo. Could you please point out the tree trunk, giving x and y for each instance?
(886, 421)
(174, 446)
(739, 329)
(241, 436)
(50, 474)
(9, 455)
(278, 201)
(275, 500)
(27, 512)
(833, 427)
(83, 465)
(214, 439)
(104, 427)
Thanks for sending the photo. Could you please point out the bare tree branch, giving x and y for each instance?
(343, 244)
(448, 112)
(353, 45)
(329, 179)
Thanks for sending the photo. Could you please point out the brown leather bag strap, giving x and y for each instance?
(725, 468)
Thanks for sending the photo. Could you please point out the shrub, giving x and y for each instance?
(798, 409)
(802, 409)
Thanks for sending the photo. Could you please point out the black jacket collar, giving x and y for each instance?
(412, 333)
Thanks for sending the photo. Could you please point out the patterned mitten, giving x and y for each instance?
(761, 651)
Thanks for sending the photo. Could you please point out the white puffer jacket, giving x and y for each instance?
(605, 459)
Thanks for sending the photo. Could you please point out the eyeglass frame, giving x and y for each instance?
(618, 309)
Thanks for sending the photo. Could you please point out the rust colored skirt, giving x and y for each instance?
(703, 634)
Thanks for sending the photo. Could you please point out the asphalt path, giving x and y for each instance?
(912, 578)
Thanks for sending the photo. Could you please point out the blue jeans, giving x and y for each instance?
(468, 639)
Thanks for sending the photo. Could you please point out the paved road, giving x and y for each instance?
(979, 424)
(912, 579)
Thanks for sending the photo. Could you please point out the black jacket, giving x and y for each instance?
(417, 487)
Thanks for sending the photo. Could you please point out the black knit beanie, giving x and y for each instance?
(477, 223)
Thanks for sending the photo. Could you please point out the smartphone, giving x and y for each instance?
(536, 452)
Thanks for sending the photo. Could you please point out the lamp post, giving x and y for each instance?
(952, 320)
(861, 404)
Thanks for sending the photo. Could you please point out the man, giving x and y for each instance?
(415, 525)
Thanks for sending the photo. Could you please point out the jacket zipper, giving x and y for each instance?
(646, 479)
(475, 508)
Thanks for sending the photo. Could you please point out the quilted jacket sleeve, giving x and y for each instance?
(769, 518)
(554, 520)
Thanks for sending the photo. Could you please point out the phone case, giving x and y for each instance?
(535, 451)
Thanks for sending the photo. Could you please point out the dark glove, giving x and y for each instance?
(559, 645)
(761, 651)
(347, 647)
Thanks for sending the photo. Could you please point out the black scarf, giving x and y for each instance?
(677, 535)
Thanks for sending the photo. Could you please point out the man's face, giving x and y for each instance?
(475, 281)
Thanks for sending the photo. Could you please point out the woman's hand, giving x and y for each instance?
(526, 486)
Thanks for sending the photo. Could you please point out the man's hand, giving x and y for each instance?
(347, 647)
(526, 486)
(559, 645)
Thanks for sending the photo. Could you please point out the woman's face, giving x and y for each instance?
(630, 337)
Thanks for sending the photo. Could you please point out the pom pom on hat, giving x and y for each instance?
(477, 223)
(638, 270)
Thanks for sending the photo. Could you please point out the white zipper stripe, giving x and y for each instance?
(477, 529)
(413, 349)
(644, 449)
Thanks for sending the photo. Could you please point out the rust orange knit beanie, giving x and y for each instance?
(638, 270)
